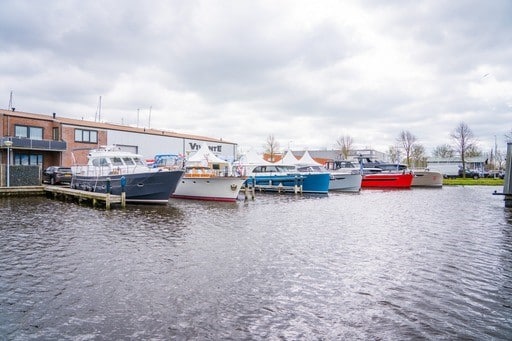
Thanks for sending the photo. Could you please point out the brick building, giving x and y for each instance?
(48, 140)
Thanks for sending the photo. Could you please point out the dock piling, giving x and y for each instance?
(507, 185)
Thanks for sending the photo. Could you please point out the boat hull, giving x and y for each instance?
(146, 187)
(387, 180)
(310, 182)
(427, 179)
(345, 182)
(212, 189)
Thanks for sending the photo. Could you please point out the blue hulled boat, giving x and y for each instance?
(280, 177)
(111, 170)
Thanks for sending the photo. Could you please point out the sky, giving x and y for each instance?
(306, 72)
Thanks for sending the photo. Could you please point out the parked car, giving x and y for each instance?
(470, 173)
(57, 175)
(496, 173)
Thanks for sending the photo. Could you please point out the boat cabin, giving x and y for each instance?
(273, 169)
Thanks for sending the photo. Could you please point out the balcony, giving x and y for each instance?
(30, 144)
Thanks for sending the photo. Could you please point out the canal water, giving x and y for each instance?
(386, 265)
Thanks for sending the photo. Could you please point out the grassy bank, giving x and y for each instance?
(473, 182)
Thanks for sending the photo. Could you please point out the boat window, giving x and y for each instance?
(100, 162)
(285, 168)
(116, 161)
(138, 161)
(128, 161)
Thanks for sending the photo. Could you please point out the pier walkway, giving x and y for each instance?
(79, 196)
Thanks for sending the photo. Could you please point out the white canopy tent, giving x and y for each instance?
(205, 158)
(306, 159)
(252, 158)
(289, 159)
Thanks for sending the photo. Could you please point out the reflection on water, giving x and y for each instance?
(375, 265)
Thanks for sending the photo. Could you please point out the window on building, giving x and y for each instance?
(35, 133)
(90, 136)
(28, 159)
(55, 134)
(21, 131)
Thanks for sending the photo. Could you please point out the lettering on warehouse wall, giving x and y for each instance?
(196, 146)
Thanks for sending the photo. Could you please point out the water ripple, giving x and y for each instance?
(417, 264)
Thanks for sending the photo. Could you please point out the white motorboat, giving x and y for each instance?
(427, 178)
(206, 184)
(345, 182)
(345, 176)
(207, 177)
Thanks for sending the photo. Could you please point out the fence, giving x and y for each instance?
(20, 175)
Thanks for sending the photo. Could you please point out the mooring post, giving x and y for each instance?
(123, 193)
(507, 185)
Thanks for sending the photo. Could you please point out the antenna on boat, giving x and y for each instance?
(149, 120)
(138, 118)
(97, 116)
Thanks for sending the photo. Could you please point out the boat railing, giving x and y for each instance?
(208, 173)
(89, 170)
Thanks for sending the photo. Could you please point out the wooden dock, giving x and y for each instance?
(276, 185)
(279, 188)
(94, 198)
(21, 191)
(66, 193)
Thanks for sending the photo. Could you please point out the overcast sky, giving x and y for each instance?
(307, 72)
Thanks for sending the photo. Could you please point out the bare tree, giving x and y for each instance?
(508, 136)
(407, 141)
(394, 153)
(499, 159)
(443, 151)
(418, 156)
(473, 151)
(271, 147)
(465, 142)
(345, 144)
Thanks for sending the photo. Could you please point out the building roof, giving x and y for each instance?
(107, 126)
(476, 159)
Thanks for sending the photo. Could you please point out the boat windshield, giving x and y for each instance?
(116, 161)
(273, 169)
(100, 162)
(167, 161)
(265, 169)
(335, 165)
(138, 161)
(311, 169)
(128, 161)
(286, 168)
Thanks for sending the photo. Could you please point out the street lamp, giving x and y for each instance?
(8, 144)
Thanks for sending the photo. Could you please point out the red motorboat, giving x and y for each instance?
(387, 180)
